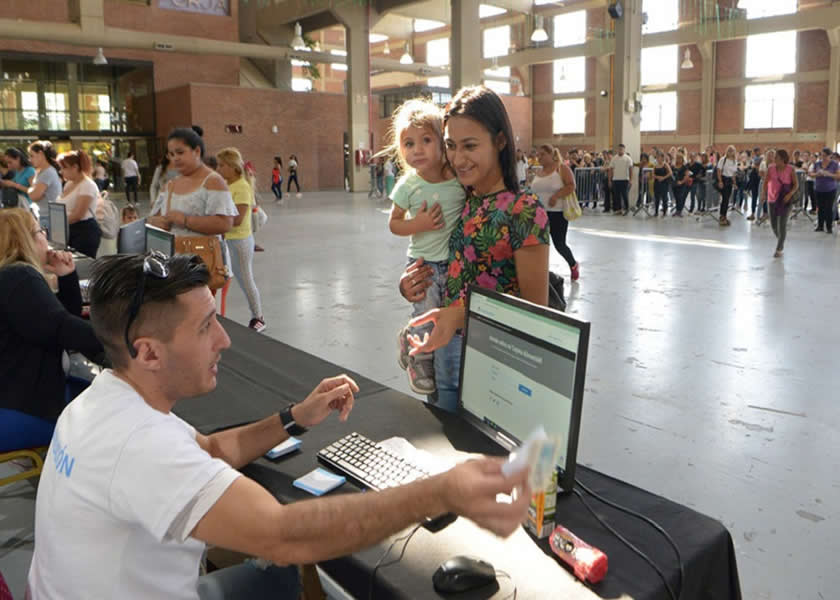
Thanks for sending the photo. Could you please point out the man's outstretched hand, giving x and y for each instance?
(332, 394)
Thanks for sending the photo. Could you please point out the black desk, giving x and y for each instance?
(259, 375)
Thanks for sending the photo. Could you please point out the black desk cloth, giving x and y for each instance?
(258, 376)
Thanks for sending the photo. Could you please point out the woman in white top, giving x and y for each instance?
(198, 201)
(726, 169)
(556, 181)
(80, 195)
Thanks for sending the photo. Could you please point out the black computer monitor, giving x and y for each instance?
(59, 229)
(160, 240)
(132, 238)
(522, 366)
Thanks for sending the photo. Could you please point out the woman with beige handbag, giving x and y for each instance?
(199, 208)
(555, 186)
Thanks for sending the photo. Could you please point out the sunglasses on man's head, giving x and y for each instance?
(154, 265)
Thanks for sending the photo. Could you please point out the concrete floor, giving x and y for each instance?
(709, 365)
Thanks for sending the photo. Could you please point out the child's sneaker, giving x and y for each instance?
(403, 348)
(421, 373)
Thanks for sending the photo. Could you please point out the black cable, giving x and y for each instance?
(627, 543)
(380, 565)
(505, 574)
(647, 520)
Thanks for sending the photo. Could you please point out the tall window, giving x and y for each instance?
(767, 8)
(659, 112)
(662, 15)
(769, 106)
(421, 25)
(338, 66)
(58, 113)
(488, 10)
(437, 55)
(94, 107)
(301, 84)
(569, 116)
(659, 65)
(497, 43)
(570, 28)
(771, 54)
(570, 75)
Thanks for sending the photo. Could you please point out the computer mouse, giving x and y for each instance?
(463, 573)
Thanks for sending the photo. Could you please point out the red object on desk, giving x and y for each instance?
(587, 562)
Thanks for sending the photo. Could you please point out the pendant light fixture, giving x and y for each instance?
(686, 63)
(99, 58)
(406, 58)
(297, 41)
(386, 49)
(539, 34)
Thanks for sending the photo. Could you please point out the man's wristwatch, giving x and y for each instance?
(289, 423)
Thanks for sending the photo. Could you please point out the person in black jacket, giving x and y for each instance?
(36, 328)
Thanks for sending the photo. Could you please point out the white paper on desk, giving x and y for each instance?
(423, 459)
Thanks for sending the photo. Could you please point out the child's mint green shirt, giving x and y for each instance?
(410, 193)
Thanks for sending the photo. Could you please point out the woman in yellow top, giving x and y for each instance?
(240, 239)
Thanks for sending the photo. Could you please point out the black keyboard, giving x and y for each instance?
(371, 465)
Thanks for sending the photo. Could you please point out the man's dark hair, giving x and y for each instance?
(188, 136)
(481, 104)
(113, 285)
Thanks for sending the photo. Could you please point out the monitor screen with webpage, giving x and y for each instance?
(160, 240)
(522, 366)
(58, 224)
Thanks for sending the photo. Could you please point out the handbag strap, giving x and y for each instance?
(169, 185)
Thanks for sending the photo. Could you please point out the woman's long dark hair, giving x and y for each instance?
(20, 155)
(48, 150)
(481, 104)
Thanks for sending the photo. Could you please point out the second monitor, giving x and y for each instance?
(161, 240)
(59, 229)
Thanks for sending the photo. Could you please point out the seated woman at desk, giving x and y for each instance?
(80, 195)
(36, 328)
(480, 148)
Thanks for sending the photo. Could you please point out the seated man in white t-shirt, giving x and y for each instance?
(130, 494)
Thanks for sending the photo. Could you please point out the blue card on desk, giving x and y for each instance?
(284, 448)
(319, 482)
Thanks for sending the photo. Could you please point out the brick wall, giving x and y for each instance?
(310, 125)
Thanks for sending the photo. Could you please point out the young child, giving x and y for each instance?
(128, 214)
(428, 202)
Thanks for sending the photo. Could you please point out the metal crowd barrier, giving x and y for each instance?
(589, 184)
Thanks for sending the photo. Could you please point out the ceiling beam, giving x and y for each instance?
(821, 17)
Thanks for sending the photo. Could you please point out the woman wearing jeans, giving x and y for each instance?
(726, 169)
(553, 183)
(827, 173)
(780, 188)
(240, 239)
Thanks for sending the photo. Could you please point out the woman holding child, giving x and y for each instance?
(500, 242)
